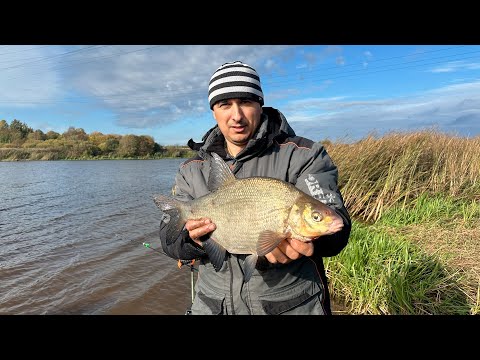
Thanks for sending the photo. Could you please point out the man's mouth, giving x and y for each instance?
(238, 129)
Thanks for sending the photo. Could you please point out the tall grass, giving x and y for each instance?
(415, 241)
(377, 173)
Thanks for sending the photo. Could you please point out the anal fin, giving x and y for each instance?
(249, 266)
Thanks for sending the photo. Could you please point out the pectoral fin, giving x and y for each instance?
(269, 240)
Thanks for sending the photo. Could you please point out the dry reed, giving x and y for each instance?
(377, 173)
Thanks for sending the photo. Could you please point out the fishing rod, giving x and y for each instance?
(180, 263)
(148, 246)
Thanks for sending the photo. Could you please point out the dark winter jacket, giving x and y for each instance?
(299, 287)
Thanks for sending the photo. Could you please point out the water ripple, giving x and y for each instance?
(71, 235)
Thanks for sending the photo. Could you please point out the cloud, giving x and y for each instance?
(454, 66)
(164, 87)
(26, 77)
(452, 109)
(143, 85)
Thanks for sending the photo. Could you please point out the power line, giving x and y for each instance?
(85, 62)
(51, 57)
(181, 93)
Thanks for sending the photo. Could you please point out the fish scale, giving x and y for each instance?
(231, 209)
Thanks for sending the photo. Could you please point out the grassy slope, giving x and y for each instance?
(415, 242)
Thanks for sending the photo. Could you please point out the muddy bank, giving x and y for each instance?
(338, 308)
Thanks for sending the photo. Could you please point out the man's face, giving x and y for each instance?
(237, 119)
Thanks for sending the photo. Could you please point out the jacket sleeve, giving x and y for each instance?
(180, 246)
(317, 175)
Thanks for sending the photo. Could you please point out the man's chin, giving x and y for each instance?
(239, 140)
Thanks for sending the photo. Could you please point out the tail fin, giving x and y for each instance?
(173, 214)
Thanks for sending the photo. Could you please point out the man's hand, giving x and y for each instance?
(199, 227)
(288, 250)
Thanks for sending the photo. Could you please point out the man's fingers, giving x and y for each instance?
(288, 250)
(277, 256)
(199, 227)
(301, 247)
(192, 224)
(271, 258)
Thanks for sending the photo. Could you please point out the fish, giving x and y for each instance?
(252, 215)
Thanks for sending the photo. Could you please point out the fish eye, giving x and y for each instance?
(316, 216)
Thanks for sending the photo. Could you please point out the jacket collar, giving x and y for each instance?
(273, 125)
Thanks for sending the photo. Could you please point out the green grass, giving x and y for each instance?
(415, 259)
(378, 273)
(438, 210)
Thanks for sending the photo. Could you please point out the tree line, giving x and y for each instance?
(18, 141)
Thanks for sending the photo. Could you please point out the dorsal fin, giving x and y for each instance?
(220, 174)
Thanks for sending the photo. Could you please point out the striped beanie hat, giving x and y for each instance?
(234, 80)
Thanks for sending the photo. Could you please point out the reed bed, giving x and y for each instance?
(377, 173)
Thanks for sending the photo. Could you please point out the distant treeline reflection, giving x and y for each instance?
(18, 141)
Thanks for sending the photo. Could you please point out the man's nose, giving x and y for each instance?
(237, 113)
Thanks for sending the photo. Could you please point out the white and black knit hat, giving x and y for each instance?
(234, 80)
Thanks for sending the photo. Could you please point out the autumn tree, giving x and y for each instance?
(4, 132)
(37, 135)
(75, 134)
(128, 146)
(19, 131)
(146, 145)
(52, 135)
(110, 145)
(97, 137)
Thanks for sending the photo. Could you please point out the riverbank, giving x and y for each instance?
(39, 154)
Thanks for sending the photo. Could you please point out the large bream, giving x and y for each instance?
(253, 215)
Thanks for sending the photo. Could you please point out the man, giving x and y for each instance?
(257, 141)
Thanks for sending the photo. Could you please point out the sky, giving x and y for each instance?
(335, 92)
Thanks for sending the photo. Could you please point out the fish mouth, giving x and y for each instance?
(336, 225)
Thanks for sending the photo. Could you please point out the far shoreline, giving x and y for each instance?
(79, 159)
